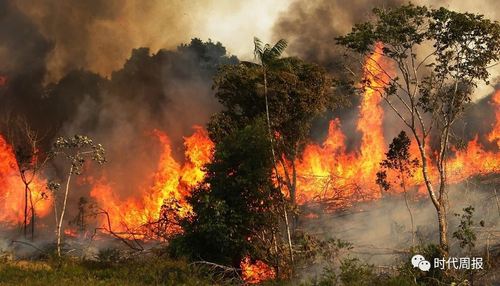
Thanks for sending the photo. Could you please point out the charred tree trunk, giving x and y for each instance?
(33, 214)
(25, 225)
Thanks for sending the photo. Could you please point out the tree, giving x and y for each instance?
(398, 159)
(76, 150)
(236, 207)
(440, 56)
(30, 162)
(288, 92)
(294, 93)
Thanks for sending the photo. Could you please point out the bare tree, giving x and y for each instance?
(76, 150)
(30, 162)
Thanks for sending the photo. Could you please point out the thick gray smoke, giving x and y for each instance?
(168, 90)
(312, 26)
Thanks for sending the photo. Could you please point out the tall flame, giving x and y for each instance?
(326, 171)
(172, 183)
(12, 189)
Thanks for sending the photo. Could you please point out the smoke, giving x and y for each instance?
(98, 35)
(311, 27)
(380, 231)
(383, 226)
(168, 91)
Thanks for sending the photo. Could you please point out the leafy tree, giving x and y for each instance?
(440, 57)
(465, 233)
(235, 207)
(289, 92)
(76, 150)
(398, 159)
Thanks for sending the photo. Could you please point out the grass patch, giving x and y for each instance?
(150, 271)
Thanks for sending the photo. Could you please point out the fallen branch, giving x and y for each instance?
(29, 244)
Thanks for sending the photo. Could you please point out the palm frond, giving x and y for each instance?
(258, 50)
(278, 48)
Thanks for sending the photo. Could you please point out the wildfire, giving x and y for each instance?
(326, 171)
(12, 189)
(256, 272)
(172, 182)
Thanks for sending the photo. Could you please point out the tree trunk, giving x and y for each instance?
(285, 213)
(403, 182)
(25, 210)
(293, 189)
(32, 207)
(438, 203)
(63, 210)
(443, 229)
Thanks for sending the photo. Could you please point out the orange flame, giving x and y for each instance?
(256, 272)
(12, 189)
(172, 182)
(328, 168)
(326, 171)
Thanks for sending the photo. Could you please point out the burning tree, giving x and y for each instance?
(76, 150)
(441, 56)
(236, 208)
(30, 162)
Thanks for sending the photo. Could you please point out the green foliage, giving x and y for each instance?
(268, 54)
(146, 271)
(297, 93)
(312, 251)
(463, 47)
(398, 158)
(235, 206)
(352, 272)
(465, 233)
(433, 276)
(109, 256)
